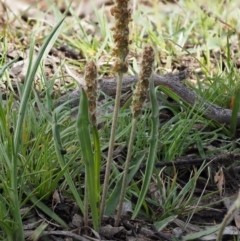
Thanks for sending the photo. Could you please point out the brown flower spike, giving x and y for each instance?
(121, 34)
(91, 89)
(141, 90)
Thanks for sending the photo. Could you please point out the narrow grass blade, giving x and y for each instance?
(41, 107)
(236, 107)
(163, 223)
(126, 130)
(61, 159)
(30, 77)
(4, 67)
(44, 208)
(113, 200)
(38, 231)
(5, 223)
(84, 137)
(197, 235)
(62, 172)
(152, 149)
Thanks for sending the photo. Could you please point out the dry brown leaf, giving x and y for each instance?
(56, 198)
(109, 231)
(77, 220)
(220, 181)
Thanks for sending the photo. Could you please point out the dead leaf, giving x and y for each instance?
(108, 231)
(77, 220)
(56, 198)
(220, 181)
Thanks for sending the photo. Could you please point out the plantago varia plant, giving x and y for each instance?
(139, 97)
(121, 38)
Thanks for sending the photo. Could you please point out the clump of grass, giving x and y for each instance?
(14, 186)
(121, 38)
(139, 98)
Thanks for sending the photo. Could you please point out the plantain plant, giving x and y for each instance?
(121, 38)
(139, 97)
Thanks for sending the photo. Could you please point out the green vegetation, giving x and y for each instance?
(44, 148)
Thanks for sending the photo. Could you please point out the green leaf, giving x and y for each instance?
(163, 223)
(88, 158)
(4, 67)
(235, 111)
(113, 200)
(152, 149)
(97, 159)
(195, 236)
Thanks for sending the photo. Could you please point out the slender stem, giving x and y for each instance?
(85, 202)
(127, 163)
(225, 222)
(111, 143)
